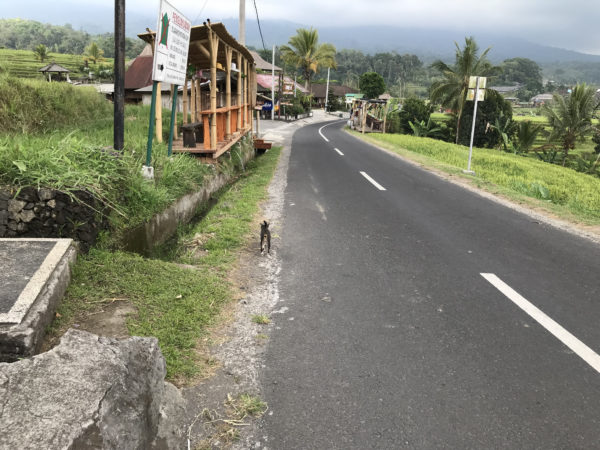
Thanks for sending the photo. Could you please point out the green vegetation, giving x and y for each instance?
(371, 84)
(305, 53)
(25, 64)
(451, 90)
(575, 194)
(19, 34)
(261, 319)
(175, 303)
(57, 135)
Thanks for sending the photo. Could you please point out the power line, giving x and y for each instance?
(259, 29)
(201, 9)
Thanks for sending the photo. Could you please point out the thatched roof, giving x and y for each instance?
(53, 67)
(261, 64)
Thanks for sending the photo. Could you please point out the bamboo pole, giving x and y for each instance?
(198, 101)
(193, 100)
(185, 101)
(228, 55)
(214, 47)
(246, 95)
(239, 91)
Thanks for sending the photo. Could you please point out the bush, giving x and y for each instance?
(413, 110)
(32, 106)
(494, 110)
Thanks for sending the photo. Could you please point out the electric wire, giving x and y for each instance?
(201, 9)
(259, 28)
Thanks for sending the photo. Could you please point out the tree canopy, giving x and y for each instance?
(451, 90)
(306, 54)
(371, 84)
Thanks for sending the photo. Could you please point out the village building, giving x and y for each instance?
(319, 91)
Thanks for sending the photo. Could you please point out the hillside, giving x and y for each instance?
(22, 63)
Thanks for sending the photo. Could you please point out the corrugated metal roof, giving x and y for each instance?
(261, 64)
(318, 90)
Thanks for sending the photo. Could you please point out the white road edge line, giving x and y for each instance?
(584, 352)
(337, 150)
(373, 182)
(326, 140)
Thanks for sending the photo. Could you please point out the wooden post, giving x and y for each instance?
(364, 116)
(239, 91)
(385, 113)
(159, 137)
(228, 55)
(246, 95)
(198, 100)
(214, 48)
(193, 100)
(185, 101)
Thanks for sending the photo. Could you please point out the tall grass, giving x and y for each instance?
(34, 106)
(578, 193)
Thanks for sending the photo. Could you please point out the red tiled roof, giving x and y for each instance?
(139, 74)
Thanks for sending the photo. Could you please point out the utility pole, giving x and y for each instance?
(242, 31)
(273, 85)
(327, 89)
(119, 74)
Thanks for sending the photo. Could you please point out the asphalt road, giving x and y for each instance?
(392, 338)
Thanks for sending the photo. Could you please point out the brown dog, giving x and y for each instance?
(265, 233)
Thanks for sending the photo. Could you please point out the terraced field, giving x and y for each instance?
(23, 64)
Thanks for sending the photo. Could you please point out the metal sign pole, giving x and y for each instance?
(473, 126)
(147, 169)
(173, 119)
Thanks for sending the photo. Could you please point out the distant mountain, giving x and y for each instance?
(427, 44)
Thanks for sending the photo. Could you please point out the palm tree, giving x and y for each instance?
(571, 117)
(451, 91)
(305, 52)
(41, 52)
(526, 134)
(94, 53)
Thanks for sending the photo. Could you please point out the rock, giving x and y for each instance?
(5, 195)
(3, 204)
(51, 203)
(16, 206)
(2, 231)
(29, 205)
(27, 215)
(3, 217)
(21, 227)
(29, 194)
(92, 392)
(12, 225)
(46, 194)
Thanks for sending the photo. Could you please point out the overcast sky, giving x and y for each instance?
(570, 24)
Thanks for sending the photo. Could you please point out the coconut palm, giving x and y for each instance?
(305, 52)
(571, 117)
(526, 134)
(94, 53)
(41, 52)
(451, 91)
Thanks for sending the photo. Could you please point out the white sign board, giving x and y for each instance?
(473, 82)
(171, 45)
(480, 95)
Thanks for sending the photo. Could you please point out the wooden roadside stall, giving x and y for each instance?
(219, 94)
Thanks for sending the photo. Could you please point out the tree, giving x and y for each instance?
(371, 84)
(94, 53)
(494, 117)
(451, 91)
(413, 110)
(526, 134)
(571, 117)
(306, 54)
(41, 52)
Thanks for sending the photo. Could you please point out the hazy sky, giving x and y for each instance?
(570, 24)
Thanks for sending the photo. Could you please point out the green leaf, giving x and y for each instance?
(20, 165)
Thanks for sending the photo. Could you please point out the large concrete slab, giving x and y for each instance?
(34, 274)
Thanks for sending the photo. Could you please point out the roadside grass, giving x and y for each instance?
(49, 138)
(565, 192)
(175, 302)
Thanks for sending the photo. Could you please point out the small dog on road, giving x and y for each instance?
(265, 233)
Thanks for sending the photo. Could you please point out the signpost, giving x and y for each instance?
(476, 92)
(169, 66)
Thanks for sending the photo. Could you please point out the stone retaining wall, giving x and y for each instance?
(45, 212)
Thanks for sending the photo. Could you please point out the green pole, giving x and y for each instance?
(151, 126)
(173, 120)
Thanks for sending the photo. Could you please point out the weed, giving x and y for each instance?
(261, 319)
